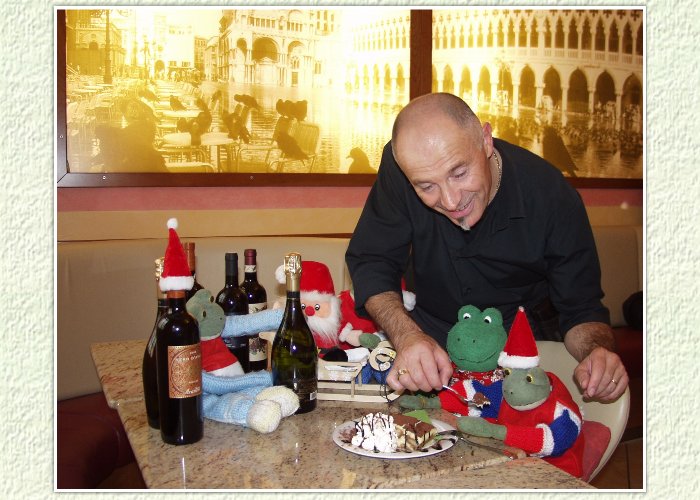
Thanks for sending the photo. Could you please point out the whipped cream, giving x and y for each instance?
(376, 432)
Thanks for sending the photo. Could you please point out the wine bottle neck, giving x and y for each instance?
(177, 300)
(231, 279)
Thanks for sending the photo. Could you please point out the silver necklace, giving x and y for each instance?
(500, 173)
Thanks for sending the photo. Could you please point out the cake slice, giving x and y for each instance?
(380, 432)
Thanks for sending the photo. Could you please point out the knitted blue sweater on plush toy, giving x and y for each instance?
(538, 414)
(229, 395)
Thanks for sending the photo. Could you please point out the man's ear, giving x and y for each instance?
(487, 134)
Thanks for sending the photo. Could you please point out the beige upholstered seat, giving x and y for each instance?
(556, 359)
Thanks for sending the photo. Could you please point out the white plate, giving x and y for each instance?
(440, 426)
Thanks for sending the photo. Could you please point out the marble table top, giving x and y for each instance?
(300, 453)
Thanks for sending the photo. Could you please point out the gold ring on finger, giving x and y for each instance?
(402, 371)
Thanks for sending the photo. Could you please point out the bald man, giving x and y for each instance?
(482, 222)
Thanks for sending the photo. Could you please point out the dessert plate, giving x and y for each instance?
(440, 446)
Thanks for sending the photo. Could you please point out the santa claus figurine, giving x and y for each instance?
(335, 335)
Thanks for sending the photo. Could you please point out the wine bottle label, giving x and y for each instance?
(248, 268)
(184, 371)
(256, 349)
(305, 388)
(257, 307)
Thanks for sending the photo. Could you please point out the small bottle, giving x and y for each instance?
(234, 302)
(192, 262)
(149, 372)
(257, 301)
(294, 354)
(179, 360)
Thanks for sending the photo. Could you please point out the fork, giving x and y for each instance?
(457, 434)
(470, 404)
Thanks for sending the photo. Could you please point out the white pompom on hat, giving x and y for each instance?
(520, 350)
(176, 272)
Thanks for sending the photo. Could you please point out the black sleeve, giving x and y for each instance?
(378, 252)
(573, 267)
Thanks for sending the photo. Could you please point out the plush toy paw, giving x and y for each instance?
(418, 402)
(285, 397)
(369, 340)
(264, 416)
(477, 426)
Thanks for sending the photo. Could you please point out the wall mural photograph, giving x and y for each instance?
(299, 91)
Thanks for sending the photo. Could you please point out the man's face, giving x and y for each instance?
(448, 167)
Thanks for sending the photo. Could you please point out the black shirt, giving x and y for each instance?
(533, 245)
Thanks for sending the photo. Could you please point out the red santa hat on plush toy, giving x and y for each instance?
(520, 350)
(176, 273)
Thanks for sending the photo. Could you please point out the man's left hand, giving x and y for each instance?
(601, 375)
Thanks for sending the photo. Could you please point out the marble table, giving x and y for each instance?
(300, 454)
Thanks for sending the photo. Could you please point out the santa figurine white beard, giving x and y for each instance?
(326, 329)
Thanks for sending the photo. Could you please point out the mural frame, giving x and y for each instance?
(420, 81)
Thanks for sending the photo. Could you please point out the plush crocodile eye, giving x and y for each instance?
(466, 316)
(529, 379)
(487, 319)
(506, 372)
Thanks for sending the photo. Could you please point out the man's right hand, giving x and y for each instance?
(420, 364)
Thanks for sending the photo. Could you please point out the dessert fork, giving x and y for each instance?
(457, 435)
(470, 404)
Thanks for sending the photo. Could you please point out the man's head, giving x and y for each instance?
(447, 156)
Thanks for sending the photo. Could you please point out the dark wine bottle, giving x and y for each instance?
(294, 354)
(149, 372)
(192, 263)
(179, 359)
(234, 302)
(257, 301)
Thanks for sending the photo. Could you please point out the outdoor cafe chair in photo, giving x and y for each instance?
(300, 145)
(603, 423)
(257, 145)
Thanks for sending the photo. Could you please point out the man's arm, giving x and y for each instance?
(427, 365)
(600, 372)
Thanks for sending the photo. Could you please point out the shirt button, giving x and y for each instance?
(466, 291)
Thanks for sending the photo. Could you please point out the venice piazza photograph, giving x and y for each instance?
(316, 90)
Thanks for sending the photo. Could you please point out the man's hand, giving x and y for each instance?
(600, 373)
(420, 364)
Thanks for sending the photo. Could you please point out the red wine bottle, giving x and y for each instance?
(192, 263)
(234, 302)
(294, 354)
(257, 301)
(149, 372)
(179, 360)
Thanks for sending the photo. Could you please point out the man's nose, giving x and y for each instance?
(310, 311)
(450, 198)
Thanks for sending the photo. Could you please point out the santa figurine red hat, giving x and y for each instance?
(321, 305)
(176, 272)
(520, 350)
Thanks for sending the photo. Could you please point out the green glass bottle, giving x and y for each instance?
(294, 354)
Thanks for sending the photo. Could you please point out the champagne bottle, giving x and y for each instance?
(294, 355)
(149, 373)
(179, 360)
(234, 302)
(257, 301)
(192, 263)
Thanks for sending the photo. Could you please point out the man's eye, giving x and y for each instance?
(303, 306)
(317, 307)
